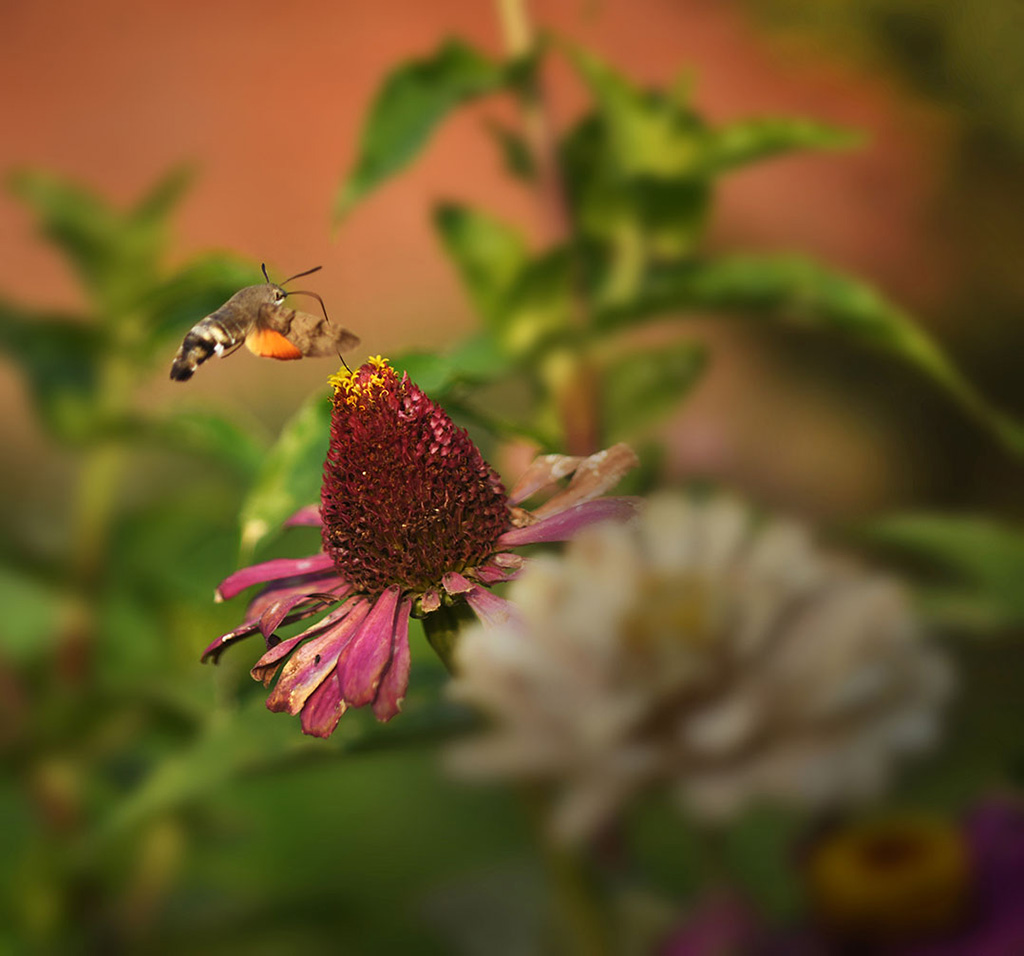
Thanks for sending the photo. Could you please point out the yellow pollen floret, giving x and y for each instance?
(341, 381)
(356, 393)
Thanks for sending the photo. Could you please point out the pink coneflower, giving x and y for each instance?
(411, 518)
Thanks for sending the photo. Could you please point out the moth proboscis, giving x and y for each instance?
(257, 317)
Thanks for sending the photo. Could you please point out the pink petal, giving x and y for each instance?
(396, 679)
(543, 471)
(264, 668)
(362, 662)
(309, 516)
(597, 474)
(219, 646)
(489, 574)
(271, 571)
(492, 610)
(323, 709)
(562, 526)
(309, 666)
(430, 602)
(275, 614)
(249, 627)
(455, 583)
(288, 586)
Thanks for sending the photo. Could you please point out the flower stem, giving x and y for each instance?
(582, 927)
(573, 380)
(95, 504)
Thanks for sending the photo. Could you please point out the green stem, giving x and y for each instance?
(95, 504)
(582, 926)
(575, 383)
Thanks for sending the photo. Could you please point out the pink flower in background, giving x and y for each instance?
(411, 517)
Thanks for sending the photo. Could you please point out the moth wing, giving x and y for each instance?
(270, 344)
(311, 335)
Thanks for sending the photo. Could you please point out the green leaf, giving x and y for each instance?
(231, 744)
(291, 472)
(198, 433)
(644, 385)
(980, 563)
(251, 740)
(32, 611)
(115, 254)
(515, 151)
(639, 169)
(156, 206)
(475, 361)
(59, 356)
(538, 304)
(76, 220)
(414, 99)
(479, 360)
(654, 133)
(799, 290)
(640, 209)
(752, 140)
(648, 133)
(488, 254)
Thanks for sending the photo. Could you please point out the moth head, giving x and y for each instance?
(277, 292)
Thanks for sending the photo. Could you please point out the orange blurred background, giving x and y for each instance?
(267, 99)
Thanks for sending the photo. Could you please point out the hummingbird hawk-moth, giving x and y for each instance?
(257, 317)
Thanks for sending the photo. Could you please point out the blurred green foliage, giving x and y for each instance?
(637, 175)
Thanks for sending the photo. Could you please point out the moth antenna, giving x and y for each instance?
(263, 266)
(299, 275)
(315, 295)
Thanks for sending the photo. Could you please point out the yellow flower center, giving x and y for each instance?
(364, 384)
(890, 879)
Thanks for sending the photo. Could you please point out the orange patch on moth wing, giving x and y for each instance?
(270, 344)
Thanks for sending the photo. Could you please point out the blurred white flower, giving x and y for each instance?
(729, 659)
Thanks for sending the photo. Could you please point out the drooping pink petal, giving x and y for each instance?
(217, 648)
(308, 516)
(279, 590)
(271, 571)
(274, 615)
(362, 662)
(264, 668)
(594, 476)
(492, 610)
(565, 524)
(391, 692)
(430, 602)
(323, 708)
(454, 583)
(489, 574)
(543, 471)
(309, 666)
(214, 650)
